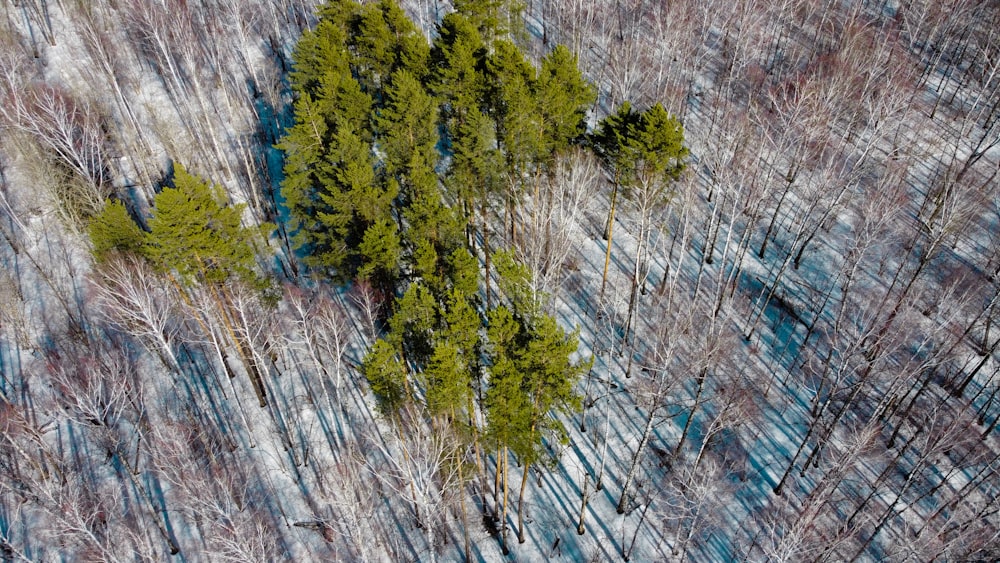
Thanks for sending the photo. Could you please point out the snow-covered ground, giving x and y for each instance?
(870, 333)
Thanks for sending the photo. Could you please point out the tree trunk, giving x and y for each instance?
(520, 503)
(694, 408)
(503, 514)
(608, 232)
(580, 530)
(646, 432)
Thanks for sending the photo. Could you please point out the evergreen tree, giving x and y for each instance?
(304, 146)
(353, 202)
(508, 408)
(656, 152)
(386, 376)
(516, 287)
(345, 105)
(609, 141)
(198, 239)
(549, 377)
(519, 126)
(412, 326)
(407, 124)
(474, 175)
(318, 53)
(383, 40)
(612, 136)
(462, 269)
(493, 18)
(196, 235)
(373, 47)
(447, 381)
(433, 230)
(113, 230)
(457, 67)
(563, 97)
(657, 147)
(513, 107)
(380, 254)
(411, 48)
(533, 344)
(462, 324)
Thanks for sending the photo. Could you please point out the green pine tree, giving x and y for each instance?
(457, 67)
(513, 106)
(657, 147)
(507, 406)
(462, 270)
(386, 376)
(447, 381)
(494, 18)
(609, 141)
(196, 235)
(407, 125)
(380, 255)
(564, 96)
(304, 145)
(412, 325)
(113, 230)
(383, 40)
(549, 379)
(318, 53)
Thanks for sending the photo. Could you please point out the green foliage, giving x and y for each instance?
(304, 146)
(461, 328)
(658, 146)
(372, 44)
(345, 105)
(383, 40)
(350, 167)
(508, 408)
(474, 175)
(523, 339)
(352, 202)
(611, 137)
(433, 230)
(113, 230)
(447, 380)
(515, 285)
(457, 60)
(493, 18)
(196, 235)
(387, 377)
(318, 54)
(411, 327)
(513, 106)
(380, 253)
(407, 124)
(645, 147)
(424, 261)
(462, 269)
(563, 96)
(550, 379)
(411, 48)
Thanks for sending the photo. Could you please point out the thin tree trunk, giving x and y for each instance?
(633, 467)
(608, 232)
(520, 503)
(503, 515)
(694, 409)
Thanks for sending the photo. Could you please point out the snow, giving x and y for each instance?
(319, 453)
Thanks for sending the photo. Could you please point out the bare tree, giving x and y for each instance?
(422, 469)
(560, 206)
(139, 302)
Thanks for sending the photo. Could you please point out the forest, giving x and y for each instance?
(395, 280)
